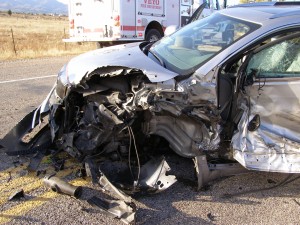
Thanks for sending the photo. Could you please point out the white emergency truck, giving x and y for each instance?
(110, 21)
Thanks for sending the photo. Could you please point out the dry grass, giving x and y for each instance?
(36, 36)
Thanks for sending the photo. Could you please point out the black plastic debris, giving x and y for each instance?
(9, 177)
(35, 161)
(81, 173)
(41, 172)
(211, 217)
(270, 181)
(21, 141)
(92, 170)
(16, 163)
(16, 195)
(58, 164)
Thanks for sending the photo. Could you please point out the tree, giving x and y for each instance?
(9, 12)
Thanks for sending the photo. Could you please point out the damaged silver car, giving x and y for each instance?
(221, 89)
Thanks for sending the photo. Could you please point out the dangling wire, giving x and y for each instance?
(95, 155)
(260, 86)
(137, 155)
(129, 151)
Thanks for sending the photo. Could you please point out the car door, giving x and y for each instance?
(196, 15)
(268, 134)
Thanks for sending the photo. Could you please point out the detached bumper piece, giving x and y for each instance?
(116, 208)
(208, 172)
(23, 140)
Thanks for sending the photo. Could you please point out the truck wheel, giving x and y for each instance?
(153, 35)
(103, 44)
(99, 45)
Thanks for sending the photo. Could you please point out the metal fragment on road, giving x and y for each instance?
(106, 185)
(153, 175)
(116, 208)
(60, 186)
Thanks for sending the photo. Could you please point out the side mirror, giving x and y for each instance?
(254, 123)
(171, 29)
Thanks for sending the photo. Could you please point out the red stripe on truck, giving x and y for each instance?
(133, 28)
(124, 28)
(98, 30)
(86, 30)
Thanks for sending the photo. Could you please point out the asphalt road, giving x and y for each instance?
(25, 83)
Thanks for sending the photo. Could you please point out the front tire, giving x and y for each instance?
(153, 35)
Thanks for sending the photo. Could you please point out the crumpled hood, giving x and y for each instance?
(129, 55)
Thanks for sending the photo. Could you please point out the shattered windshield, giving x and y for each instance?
(187, 49)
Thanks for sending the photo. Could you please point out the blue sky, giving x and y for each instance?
(63, 1)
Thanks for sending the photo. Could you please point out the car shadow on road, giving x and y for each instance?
(183, 204)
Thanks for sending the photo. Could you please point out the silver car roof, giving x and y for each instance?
(258, 13)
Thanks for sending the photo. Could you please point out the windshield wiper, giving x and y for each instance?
(158, 58)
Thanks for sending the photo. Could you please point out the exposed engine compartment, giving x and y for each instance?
(105, 111)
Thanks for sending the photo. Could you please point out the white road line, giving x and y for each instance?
(25, 79)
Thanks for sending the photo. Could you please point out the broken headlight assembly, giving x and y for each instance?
(62, 82)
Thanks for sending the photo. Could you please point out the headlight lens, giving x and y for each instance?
(62, 81)
(63, 75)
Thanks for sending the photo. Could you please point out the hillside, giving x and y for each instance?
(34, 6)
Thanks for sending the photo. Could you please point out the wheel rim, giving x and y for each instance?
(153, 38)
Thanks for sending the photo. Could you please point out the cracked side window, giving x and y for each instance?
(279, 60)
